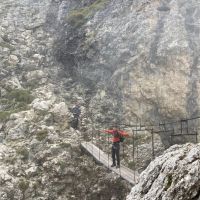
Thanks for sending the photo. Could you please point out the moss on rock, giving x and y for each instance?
(41, 135)
(79, 16)
(15, 101)
(20, 96)
(65, 145)
(4, 115)
(168, 182)
(23, 152)
(23, 184)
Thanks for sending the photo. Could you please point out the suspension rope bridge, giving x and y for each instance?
(94, 148)
(177, 131)
(124, 172)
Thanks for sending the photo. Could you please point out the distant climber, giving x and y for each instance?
(76, 111)
(117, 138)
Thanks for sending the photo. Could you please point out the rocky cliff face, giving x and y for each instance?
(40, 156)
(122, 60)
(174, 175)
(141, 52)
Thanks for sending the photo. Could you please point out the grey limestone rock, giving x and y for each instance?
(174, 175)
(121, 60)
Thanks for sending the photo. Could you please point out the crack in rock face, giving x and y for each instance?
(172, 176)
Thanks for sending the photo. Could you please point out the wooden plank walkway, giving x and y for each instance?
(103, 158)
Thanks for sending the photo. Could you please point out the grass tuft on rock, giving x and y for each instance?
(41, 135)
(10, 160)
(4, 44)
(15, 101)
(131, 164)
(23, 151)
(4, 115)
(79, 16)
(23, 185)
(20, 96)
(62, 165)
(65, 145)
(168, 182)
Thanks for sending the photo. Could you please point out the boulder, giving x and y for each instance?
(13, 83)
(32, 170)
(41, 105)
(26, 115)
(60, 112)
(13, 60)
(45, 93)
(4, 176)
(18, 125)
(173, 176)
(16, 129)
(35, 75)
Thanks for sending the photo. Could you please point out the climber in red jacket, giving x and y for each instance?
(117, 138)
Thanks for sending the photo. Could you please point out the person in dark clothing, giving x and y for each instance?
(115, 153)
(76, 111)
(116, 145)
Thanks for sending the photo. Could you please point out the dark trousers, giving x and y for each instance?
(115, 152)
(75, 123)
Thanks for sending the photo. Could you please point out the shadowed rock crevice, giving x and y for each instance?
(164, 11)
(191, 15)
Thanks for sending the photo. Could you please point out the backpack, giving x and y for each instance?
(121, 138)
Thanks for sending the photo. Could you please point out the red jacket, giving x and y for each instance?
(116, 136)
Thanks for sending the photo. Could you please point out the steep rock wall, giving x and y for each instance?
(122, 60)
(141, 53)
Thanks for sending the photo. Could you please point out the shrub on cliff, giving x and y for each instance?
(20, 96)
(79, 16)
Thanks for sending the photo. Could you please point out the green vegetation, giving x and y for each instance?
(23, 185)
(15, 101)
(131, 164)
(23, 151)
(32, 84)
(79, 16)
(41, 135)
(65, 145)
(4, 115)
(5, 101)
(62, 165)
(11, 160)
(169, 182)
(7, 45)
(19, 95)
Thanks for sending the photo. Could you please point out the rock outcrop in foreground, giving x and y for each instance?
(172, 176)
